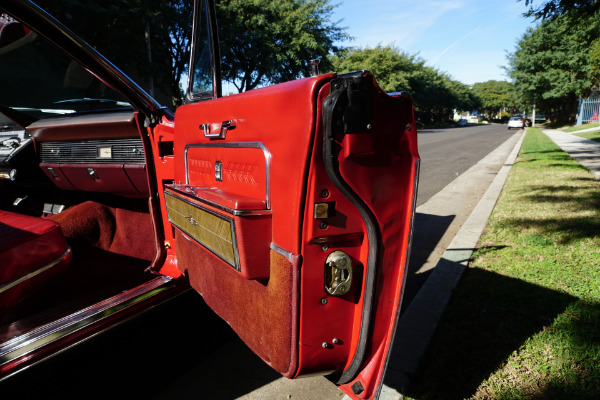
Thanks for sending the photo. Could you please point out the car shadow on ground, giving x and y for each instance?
(428, 230)
(488, 318)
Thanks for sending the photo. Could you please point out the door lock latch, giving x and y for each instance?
(338, 273)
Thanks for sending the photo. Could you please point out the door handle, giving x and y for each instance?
(218, 131)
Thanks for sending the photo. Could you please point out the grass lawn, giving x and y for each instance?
(581, 127)
(593, 135)
(524, 322)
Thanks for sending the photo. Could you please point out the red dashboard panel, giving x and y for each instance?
(98, 153)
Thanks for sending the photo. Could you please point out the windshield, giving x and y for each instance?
(40, 81)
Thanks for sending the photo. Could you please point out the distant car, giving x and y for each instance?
(515, 122)
(461, 122)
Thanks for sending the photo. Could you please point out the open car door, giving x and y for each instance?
(291, 208)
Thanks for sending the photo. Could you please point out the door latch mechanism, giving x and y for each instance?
(338, 273)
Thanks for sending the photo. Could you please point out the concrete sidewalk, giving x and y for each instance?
(584, 151)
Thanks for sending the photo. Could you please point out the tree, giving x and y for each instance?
(148, 40)
(391, 66)
(435, 94)
(495, 96)
(552, 9)
(551, 64)
(262, 41)
(595, 61)
(271, 41)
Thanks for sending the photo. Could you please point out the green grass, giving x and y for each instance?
(524, 322)
(593, 135)
(581, 127)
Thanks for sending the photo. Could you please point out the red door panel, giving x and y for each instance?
(292, 208)
(255, 177)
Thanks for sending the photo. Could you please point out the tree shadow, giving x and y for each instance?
(488, 318)
(579, 328)
(568, 228)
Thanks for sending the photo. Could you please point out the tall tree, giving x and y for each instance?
(391, 66)
(434, 93)
(271, 41)
(551, 64)
(262, 41)
(552, 9)
(147, 39)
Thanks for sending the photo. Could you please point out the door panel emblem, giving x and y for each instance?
(219, 171)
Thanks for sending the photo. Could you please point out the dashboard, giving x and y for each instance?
(98, 152)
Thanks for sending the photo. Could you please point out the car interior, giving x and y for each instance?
(75, 221)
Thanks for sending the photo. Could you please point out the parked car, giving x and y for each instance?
(516, 123)
(289, 208)
(461, 122)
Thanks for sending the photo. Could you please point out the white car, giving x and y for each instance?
(515, 122)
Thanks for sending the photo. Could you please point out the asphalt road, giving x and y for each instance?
(447, 153)
(182, 350)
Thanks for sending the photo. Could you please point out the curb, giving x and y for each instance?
(419, 322)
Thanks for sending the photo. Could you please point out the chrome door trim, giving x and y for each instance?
(27, 343)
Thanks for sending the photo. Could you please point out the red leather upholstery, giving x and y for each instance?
(31, 251)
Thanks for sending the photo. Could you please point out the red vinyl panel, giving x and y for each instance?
(109, 178)
(26, 244)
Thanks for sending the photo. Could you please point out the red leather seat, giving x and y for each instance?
(32, 250)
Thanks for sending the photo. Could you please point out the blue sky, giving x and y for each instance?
(468, 39)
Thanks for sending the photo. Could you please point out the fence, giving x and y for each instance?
(589, 111)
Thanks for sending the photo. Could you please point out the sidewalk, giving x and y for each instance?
(584, 151)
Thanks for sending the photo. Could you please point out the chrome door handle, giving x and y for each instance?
(220, 130)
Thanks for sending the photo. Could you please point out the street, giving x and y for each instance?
(182, 350)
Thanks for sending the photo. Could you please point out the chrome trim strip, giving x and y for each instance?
(256, 145)
(9, 285)
(44, 335)
(190, 191)
(287, 254)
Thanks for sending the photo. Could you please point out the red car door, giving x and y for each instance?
(291, 210)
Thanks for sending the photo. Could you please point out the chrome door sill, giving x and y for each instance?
(27, 343)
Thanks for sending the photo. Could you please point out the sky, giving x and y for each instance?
(468, 39)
